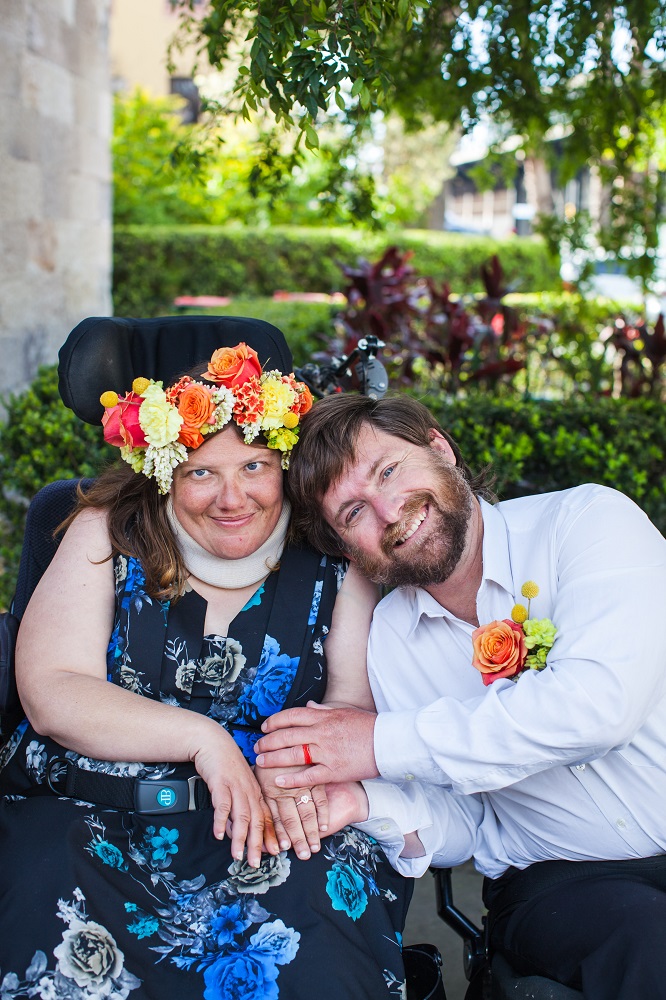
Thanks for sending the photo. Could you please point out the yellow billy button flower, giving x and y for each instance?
(109, 398)
(519, 613)
(139, 385)
(291, 420)
(529, 590)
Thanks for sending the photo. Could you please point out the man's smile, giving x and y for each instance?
(413, 525)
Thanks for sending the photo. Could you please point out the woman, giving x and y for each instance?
(215, 621)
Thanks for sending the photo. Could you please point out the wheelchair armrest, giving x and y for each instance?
(10, 706)
(475, 955)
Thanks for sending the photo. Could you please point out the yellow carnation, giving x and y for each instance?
(278, 399)
(159, 420)
(109, 398)
(139, 385)
(529, 590)
(519, 613)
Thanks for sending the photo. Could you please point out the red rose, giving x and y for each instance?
(499, 650)
(121, 422)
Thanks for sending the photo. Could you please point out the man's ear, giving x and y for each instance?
(439, 443)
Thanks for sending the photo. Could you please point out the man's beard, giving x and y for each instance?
(433, 559)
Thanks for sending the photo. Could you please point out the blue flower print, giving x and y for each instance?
(227, 922)
(245, 742)
(144, 926)
(278, 940)
(133, 588)
(316, 598)
(272, 682)
(254, 600)
(242, 975)
(109, 854)
(345, 888)
(163, 843)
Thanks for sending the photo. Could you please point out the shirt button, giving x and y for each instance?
(580, 767)
(620, 823)
(384, 827)
(409, 777)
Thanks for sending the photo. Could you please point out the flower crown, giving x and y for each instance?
(155, 427)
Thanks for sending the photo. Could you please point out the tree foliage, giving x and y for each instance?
(595, 71)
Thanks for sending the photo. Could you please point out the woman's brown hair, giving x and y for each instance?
(138, 526)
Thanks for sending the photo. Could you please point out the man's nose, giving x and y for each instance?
(388, 508)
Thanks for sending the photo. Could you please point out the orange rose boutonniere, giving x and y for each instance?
(506, 648)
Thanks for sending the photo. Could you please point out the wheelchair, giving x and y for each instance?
(103, 352)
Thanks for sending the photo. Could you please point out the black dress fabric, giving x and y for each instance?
(100, 903)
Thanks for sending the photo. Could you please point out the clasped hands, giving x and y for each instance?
(335, 746)
(285, 804)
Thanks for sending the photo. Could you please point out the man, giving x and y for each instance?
(553, 779)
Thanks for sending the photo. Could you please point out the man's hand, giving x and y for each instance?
(338, 742)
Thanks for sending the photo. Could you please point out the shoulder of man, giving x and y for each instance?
(522, 511)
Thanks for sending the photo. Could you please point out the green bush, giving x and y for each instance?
(155, 264)
(534, 446)
(41, 441)
(537, 446)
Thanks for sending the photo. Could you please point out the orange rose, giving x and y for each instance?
(232, 366)
(304, 398)
(499, 650)
(195, 405)
(191, 437)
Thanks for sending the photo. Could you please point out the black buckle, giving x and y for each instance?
(154, 796)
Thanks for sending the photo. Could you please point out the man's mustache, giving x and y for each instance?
(413, 506)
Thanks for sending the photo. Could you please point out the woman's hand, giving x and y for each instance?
(236, 797)
(300, 815)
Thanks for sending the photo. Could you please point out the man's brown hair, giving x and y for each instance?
(327, 447)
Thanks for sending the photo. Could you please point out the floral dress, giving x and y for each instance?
(104, 903)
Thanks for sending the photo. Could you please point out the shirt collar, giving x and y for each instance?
(496, 568)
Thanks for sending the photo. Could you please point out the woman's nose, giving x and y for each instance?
(229, 494)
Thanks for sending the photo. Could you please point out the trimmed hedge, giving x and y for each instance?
(534, 446)
(155, 264)
(537, 446)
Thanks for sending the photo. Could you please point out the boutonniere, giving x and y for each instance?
(506, 648)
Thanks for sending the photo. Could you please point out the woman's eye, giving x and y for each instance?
(199, 473)
(387, 472)
(252, 466)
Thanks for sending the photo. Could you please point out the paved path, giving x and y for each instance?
(423, 924)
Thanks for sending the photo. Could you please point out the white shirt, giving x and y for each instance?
(568, 762)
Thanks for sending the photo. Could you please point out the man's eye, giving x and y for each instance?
(352, 513)
(252, 466)
(387, 472)
(199, 473)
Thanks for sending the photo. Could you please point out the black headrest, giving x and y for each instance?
(110, 352)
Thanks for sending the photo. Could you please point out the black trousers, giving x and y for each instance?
(599, 927)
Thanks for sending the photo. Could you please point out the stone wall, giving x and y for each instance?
(55, 165)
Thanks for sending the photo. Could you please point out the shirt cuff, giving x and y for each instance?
(391, 815)
(400, 752)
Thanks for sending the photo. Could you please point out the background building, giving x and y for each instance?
(55, 214)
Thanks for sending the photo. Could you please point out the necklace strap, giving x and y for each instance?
(231, 574)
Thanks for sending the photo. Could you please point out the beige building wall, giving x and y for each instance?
(55, 213)
(141, 31)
